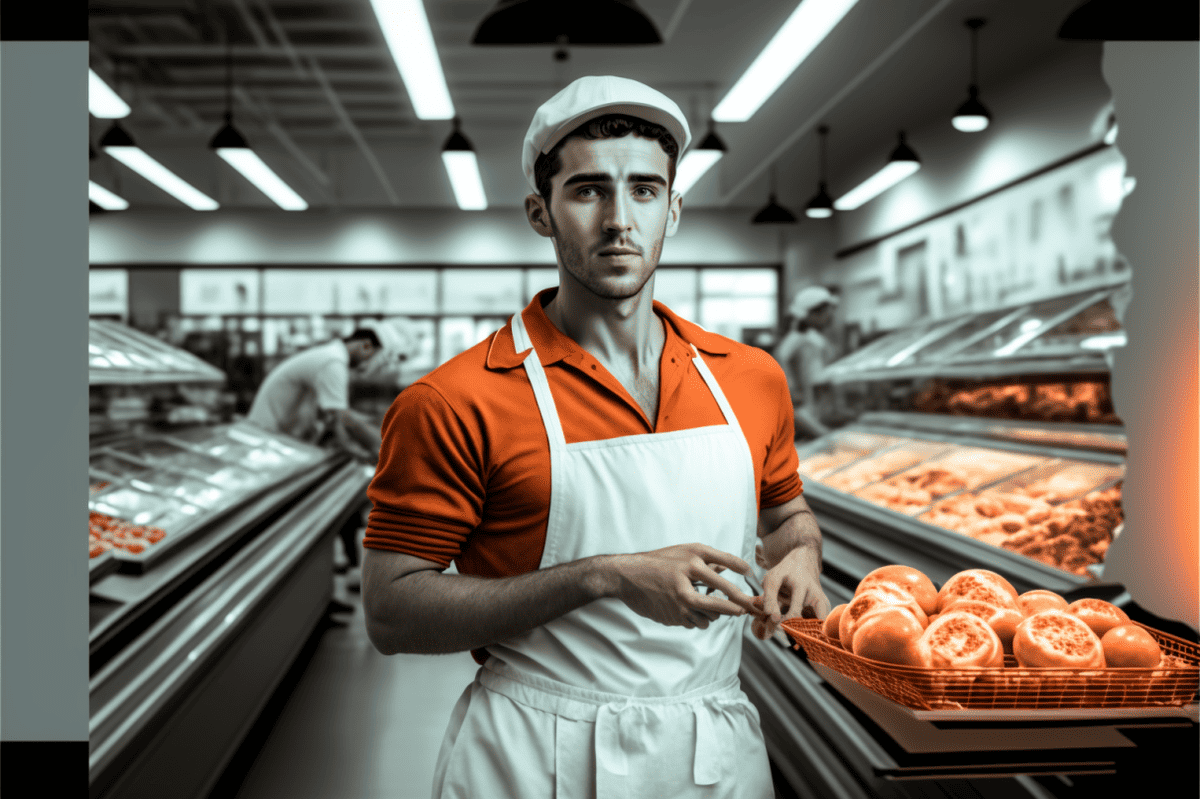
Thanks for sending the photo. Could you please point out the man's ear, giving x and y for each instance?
(538, 215)
(674, 209)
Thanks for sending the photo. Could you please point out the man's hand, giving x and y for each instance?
(790, 551)
(659, 585)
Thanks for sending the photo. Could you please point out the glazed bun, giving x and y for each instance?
(889, 634)
(908, 578)
(1130, 646)
(980, 585)
(1101, 616)
(1057, 639)
(959, 640)
(830, 627)
(1040, 599)
(870, 599)
(1001, 619)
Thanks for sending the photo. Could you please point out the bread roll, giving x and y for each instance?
(959, 640)
(911, 580)
(888, 634)
(1101, 616)
(1130, 646)
(1040, 599)
(871, 598)
(1003, 620)
(1057, 639)
(830, 628)
(980, 585)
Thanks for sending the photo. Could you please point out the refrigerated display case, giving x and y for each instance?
(213, 564)
(984, 441)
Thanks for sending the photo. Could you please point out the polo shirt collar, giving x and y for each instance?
(553, 345)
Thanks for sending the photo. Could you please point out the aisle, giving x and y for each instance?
(359, 725)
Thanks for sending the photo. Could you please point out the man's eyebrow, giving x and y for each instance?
(604, 177)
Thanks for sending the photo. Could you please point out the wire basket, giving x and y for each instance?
(1172, 684)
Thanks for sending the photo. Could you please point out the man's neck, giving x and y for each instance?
(625, 334)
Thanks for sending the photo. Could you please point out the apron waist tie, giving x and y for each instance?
(621, 719)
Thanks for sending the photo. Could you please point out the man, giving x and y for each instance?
(307, 397)
(804, 352)
(590, 467)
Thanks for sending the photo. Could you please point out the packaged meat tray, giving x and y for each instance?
(959, 469)
(884, 464)
(840, 449)
(1172, 684)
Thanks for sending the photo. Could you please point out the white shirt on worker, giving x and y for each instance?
(316, 379)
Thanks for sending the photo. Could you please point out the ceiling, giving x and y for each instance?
(317, 93)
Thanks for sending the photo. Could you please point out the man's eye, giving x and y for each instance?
(644, 191)
(586, 191)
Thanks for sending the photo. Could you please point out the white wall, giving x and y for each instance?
(500, 236)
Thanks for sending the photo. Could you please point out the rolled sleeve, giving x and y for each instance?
(427, 493)
(780, 475)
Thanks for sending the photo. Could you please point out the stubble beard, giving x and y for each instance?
(574, 261)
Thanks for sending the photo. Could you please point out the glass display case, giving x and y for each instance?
(884, 464)
(1025, 326)
(840, 449)
(118, 354)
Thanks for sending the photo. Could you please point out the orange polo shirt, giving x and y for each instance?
(464, 470)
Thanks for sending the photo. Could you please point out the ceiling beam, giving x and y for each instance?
(354, 132)
(676, 18)
(251, 23)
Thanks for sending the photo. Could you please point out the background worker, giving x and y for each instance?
(307, 396)
(803, 352)
(599, 469)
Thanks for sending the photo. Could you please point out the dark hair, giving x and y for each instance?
(363, 334)
(609, 126)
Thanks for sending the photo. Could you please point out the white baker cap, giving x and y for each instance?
(593, 96)
(809, 298)
(396, 341)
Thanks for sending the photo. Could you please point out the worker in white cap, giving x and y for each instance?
(599, 470)
(307, 396)
(803, 352)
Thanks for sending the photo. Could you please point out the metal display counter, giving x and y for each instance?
(212, 564)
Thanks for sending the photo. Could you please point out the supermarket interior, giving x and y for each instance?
(984, 192)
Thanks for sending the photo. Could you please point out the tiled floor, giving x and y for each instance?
(358, 725)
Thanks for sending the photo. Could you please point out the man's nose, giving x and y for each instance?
(617, 218)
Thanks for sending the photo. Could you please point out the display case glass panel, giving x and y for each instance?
(1022, 328)
(839, 449)
(1095, 328)
(883, 464)
(139, 507)
(876, 354)
(948, 345)
(959, 469)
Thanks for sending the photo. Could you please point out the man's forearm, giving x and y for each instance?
(797, 533)
(808, 422)
(427, 612)
(363, 434)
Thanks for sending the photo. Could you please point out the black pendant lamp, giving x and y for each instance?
(773, 213)
(116, 136)
(972, 116)
(821, 205)
(228, 137)
(1131, 21)
(579, 22)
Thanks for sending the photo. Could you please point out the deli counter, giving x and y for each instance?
(985, 441)
(211, 563)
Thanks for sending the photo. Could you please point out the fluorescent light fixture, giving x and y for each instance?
(119, 144)
(230, 145)
(406, 29)
(903, 163)
(808, 25)
(1110, 135)
(265, 180)
(1104, 342)
(103, 102)
(697, 161)
(972, 116)
(463, 169)
(693, 167)
(875, 185)
(105, 198)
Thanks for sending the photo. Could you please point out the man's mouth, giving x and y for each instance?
(618, 251)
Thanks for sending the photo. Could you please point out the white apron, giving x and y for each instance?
(603, 702)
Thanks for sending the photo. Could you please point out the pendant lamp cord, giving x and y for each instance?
(975, 23)
(824, 131)
(228, 77)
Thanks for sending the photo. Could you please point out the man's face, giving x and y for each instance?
(361, 351)
(609, 211)
(821, 316)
